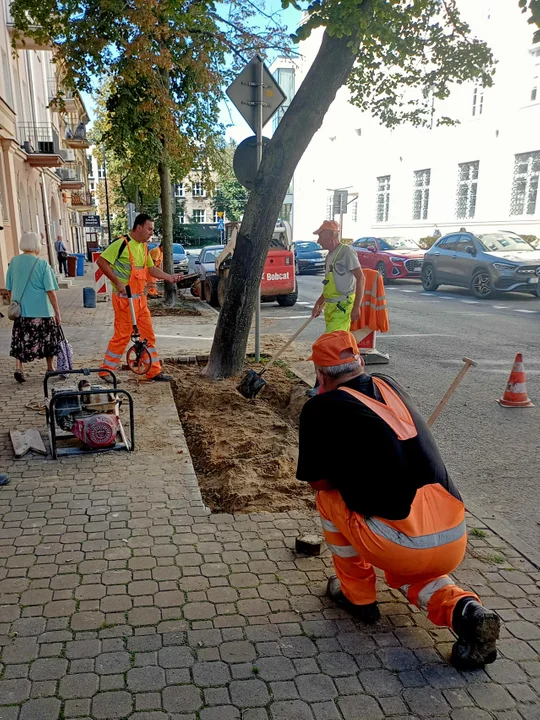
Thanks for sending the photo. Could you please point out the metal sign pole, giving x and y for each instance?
(260, 81)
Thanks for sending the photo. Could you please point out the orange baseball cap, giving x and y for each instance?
(331, 349)
(327, 225)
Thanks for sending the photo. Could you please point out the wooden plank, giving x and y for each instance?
(20, 443)
(34, 439)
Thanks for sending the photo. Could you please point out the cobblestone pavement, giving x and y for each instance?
(122, 597)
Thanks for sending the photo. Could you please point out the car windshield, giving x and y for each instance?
(501, 241)
(210, 256)
(398, 243)
(308, 245)
(177, 248)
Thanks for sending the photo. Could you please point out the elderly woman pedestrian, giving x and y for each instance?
(32, 284)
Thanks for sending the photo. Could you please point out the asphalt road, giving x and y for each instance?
(493, 453)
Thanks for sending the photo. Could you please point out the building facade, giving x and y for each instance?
(43, 172)
(482, 173)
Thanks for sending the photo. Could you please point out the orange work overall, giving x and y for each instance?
(122, 319)
(416, 554)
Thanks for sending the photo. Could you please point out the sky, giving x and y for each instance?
(236, 127)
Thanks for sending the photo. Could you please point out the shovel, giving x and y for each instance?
(252, 383)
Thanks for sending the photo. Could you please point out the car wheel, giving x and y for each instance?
(210, 290)
(381, 268)
(429, 280)
(481, 285)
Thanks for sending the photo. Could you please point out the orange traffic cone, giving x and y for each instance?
(515, 394)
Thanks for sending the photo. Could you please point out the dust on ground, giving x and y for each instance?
(244, 452)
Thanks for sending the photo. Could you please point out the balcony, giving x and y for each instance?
(22, 41)
(77, 140)
(81, 201)
(40, 142)
(60, 98)
(70, 178)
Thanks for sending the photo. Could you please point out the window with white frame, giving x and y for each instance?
(477, 100)
(330, 207)
(198, 216)
(181, 217)
(525, 185)
(467, 190)
(383, 198)
(101, 172)
(179, 190)
(215, 216)
(422, 179)
(535, 85)
(197, 190)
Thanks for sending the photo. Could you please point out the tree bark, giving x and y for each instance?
(167, 227)
(328, 73)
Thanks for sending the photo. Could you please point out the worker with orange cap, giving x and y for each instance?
(343, 281)
(402, 514)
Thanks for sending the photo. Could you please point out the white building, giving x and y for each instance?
(482, 173)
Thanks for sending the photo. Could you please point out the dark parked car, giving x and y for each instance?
(497, 261)
(310, 257)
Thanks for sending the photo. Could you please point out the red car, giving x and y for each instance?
(393, 257)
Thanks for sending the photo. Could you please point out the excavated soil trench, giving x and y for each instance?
(244, 452)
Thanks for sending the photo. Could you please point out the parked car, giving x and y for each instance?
(497, 261)
(393, 257)
(192, 256)
(310, 257)
(180, 260)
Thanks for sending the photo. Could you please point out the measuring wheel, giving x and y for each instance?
(138, 358)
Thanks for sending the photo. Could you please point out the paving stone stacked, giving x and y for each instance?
(121, 596)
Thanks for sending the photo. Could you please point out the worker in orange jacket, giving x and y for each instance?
(157, 258)
(399, 511)
(126, 262)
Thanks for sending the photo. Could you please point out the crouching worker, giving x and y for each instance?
(386, 500)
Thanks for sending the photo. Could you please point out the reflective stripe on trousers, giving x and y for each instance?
(418, 565)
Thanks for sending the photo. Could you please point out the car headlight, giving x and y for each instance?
(504, 266)
(396, 259)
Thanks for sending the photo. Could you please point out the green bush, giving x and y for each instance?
(428, 241)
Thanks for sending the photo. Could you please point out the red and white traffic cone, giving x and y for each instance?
(515, 394)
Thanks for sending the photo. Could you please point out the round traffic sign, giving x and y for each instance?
(245, 161)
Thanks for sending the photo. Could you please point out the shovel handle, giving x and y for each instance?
(284, 347)
(452, 389)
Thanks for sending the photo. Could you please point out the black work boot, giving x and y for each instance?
(478, 630)
(366, 613)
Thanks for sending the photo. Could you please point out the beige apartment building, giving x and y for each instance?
(43, 170)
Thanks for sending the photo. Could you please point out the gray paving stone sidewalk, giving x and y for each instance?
(121, 596)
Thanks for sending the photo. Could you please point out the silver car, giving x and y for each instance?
(486, 263)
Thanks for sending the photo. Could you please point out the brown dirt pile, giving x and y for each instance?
(244, 452)
(184, 308)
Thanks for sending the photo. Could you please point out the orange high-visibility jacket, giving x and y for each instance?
(374, 313)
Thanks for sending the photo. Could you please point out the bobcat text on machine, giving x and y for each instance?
(278, 281)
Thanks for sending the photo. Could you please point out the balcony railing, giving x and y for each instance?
(82, 199)
(77, 138)
(40, 142)
(70, 175)
(56, 93)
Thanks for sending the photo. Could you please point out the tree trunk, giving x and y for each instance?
(167, 226)
(304, 117)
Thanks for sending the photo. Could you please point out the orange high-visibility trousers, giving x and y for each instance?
(416, 554)
(123, 329)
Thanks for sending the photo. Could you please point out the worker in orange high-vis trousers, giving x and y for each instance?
(386, 500)
(126, 262)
